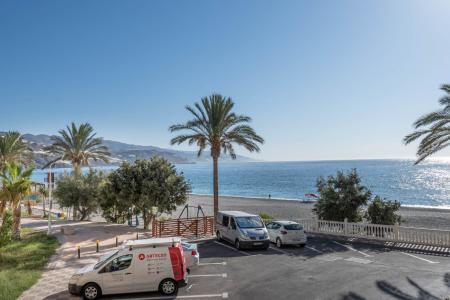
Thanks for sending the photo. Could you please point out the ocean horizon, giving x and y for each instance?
(423, 185)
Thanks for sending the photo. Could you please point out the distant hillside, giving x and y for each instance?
(123, 152)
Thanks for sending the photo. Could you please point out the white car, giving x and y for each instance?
(286, 233)
(191, 254)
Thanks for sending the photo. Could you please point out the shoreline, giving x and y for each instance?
(405, 206)
(433, 218)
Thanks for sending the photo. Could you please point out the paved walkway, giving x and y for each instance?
(54, 280)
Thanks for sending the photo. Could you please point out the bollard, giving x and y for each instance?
(97, 245)
(117, 241)
(79, 251)
(137, 235)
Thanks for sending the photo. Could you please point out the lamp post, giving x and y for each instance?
(50, 183)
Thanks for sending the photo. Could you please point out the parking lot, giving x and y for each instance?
(324, 269)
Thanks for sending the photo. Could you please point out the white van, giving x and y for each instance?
(242, 229)
(137, 266)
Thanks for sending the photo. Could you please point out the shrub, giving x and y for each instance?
(5, 230)
(382, 211)
(265, 216)
(341, 197)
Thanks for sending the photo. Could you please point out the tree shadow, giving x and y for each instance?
(421, 293)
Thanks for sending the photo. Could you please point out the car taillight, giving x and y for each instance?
(194, 253)
(283, 232)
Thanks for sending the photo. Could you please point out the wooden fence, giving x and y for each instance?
(188, 227)
(393, 233)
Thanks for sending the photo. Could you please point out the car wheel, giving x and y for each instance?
(168, 287)
(237, 244)
(279, 243)
(91, 291)
(219, 237)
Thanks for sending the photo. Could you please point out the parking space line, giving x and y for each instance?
(223, 296)
(358, 260)
(232, 248)
(224, 263)
(223, 275)
(314, 249)
(353, 249)
(279, 250)
(421, 258)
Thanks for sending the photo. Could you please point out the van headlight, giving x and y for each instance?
(245, 235)
(76, 277)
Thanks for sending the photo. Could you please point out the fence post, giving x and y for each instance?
(316, 224)
(160, 229)
(345, 226)
(196, 227)
(178, 227)
(396, 231)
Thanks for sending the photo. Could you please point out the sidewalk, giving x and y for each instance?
(55, 278)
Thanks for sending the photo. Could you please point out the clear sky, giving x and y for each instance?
(321, 79)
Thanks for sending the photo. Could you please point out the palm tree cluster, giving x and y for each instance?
(433, 129)
(217, 127)
(77, 144)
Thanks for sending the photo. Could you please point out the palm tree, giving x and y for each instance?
(43, 192)
(215, 126)
(433, 128)
(78, 145)
(12, 148)
(16, 182)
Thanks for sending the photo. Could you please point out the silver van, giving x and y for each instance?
(242, 229)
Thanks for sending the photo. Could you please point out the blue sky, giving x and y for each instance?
(321, 79)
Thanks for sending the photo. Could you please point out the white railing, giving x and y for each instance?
(393, 233)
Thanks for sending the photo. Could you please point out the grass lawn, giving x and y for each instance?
(21, 262)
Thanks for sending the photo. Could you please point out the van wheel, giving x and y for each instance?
(279, 243)
(91, 291)
(237, 244)
(219, 237)
(168, 287)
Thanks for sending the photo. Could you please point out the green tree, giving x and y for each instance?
(16, 184)
(13, 149)
(78, 145)
(217, 127)
(81, 192)
(114, 208)
(433, 129)
(382, 211)
(341, 197)
(147, 184)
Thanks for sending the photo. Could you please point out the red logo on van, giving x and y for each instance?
(141, 256)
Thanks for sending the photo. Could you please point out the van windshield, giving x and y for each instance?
(249, 222)
(104, 258)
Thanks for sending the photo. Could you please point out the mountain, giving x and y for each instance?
(123, 152)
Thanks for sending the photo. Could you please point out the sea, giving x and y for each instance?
(424, 185)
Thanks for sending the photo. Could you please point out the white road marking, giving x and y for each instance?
(232, 248)
(281, 251)
(223, 275)
(358, 260)
(353, 249)
(223, 296)
(314, 249)
(328, 258)
(421, 258)
(224, 263)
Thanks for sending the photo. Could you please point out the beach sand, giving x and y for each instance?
(289, 209)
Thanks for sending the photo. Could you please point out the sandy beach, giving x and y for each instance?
(280, 209)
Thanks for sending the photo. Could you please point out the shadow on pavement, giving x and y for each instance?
(422, 294)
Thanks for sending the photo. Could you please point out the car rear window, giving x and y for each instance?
(293, 227)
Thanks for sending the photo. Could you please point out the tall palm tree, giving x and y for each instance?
(217, 127)
(78, 145)
(16, 182)
(12, 148)
(433, 128)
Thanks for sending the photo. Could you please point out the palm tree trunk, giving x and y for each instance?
(30, 212)
(77, 174)
(2, 207)
(216, 186)
(15, 232)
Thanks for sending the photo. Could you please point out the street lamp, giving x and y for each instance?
(50, 183)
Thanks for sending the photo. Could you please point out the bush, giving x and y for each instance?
(382, 211)
(341, 197)
(5, 230)
(265, 216)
